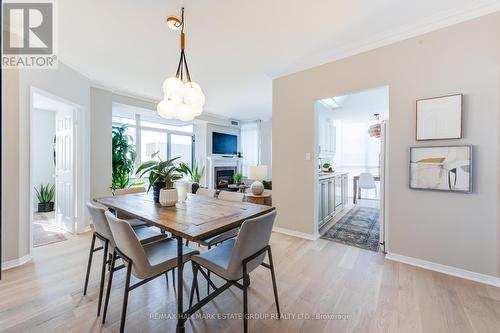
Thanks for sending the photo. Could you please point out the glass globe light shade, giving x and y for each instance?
(185, 113)
(174, 97)
(191, 94)
(172, 85)
(197, 110)
(166, 109)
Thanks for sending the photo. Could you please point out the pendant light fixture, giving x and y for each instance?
(183, 99)
(375, 129)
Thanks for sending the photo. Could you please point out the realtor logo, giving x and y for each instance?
(28, 34)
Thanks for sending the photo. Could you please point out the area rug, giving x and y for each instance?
(359, 227)
(44, 234)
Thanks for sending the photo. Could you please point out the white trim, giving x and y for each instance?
(449, 270)
(16, 262)
(296, 233)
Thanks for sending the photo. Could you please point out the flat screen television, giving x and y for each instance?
(225, 144)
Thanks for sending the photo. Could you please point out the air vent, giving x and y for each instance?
(235, 123)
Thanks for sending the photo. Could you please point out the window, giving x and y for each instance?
(150, 136)
(250, 145)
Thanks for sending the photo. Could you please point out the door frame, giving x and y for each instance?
(79, 125)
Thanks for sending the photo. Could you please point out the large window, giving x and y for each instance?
(150, 137)
(250, 145)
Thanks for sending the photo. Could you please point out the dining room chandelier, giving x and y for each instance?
(183, 99)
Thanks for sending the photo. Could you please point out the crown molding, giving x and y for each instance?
(430, 24)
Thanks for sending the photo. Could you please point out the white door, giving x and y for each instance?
(382, 162)
(65, 173)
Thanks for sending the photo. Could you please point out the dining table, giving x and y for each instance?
(197, 218)
(356, 192)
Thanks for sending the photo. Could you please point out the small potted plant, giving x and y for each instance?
(327, 167)
(238, 177)
(194, 174)
(45, 198)
(162, 175)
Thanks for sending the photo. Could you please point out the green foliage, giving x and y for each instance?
(194, 174)
(123, 158)
(46, 193)
(238, 177)
(160, 171)
(326, 165)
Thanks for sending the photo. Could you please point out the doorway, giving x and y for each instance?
(351, 139)
(53, 169)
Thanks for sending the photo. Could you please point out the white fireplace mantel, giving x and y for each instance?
(221, 162)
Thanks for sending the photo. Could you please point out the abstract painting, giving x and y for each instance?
(442, 168)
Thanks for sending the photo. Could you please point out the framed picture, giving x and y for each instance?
(441, 168)
(439, 118)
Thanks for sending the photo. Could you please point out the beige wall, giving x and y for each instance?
(459, 230)
(10, 165)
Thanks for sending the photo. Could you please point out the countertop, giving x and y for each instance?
(325, 175)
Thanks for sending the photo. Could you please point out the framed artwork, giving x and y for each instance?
(439, 118)
(441, 168)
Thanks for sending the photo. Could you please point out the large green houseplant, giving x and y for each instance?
(194, 174)
(162, 175)
(123, 158)
(45, 196)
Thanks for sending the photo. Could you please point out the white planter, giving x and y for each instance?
(168, 197)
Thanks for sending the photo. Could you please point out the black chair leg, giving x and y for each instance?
(103, 274)
(173, 277)
(245, 299)
(166, 277)
(125, 298)
(275, 288)
(108, 291)
(208, 284)
(89, 264)
(110, 256)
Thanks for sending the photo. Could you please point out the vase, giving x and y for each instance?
(194, 187)
(168, 197)
(157, 186)
(183, 188)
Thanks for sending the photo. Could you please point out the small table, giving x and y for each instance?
(355, 194)
(260, 199)
(239, 188)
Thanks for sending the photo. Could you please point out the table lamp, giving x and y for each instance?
(257, 173)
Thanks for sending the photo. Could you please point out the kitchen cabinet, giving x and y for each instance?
(332, 196)
(326, 137)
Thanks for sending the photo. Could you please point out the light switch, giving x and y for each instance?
(308, 156)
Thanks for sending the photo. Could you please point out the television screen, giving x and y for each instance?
(226, 144)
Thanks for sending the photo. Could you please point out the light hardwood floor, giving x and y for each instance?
(314, 277)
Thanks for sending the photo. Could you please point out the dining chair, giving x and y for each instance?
(145, 261)
(234, 260)
(103, 233)
(231, 196)
(205, 192)
(130, 190)
(367, 182)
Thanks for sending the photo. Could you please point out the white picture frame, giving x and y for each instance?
(439, 118)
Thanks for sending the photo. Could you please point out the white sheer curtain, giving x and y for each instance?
(250, 145)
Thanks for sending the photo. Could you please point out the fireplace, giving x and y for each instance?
(223, 177)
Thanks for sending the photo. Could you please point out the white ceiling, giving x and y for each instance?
(360, 106)
(235, 48)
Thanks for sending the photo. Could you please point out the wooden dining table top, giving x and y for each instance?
(197, 218)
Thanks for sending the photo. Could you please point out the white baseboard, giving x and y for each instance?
(458, 272)
(15, 262)
(296, 233)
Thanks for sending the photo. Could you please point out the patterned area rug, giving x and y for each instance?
(44, 230)
(359, 227)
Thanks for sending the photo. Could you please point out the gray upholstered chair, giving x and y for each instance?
(205, 192)
(235, 259)
(231, 196)
(103, 233)
(131, 190)
(145, 262)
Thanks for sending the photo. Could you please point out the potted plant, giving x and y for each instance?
(194, 174)
(45, 198)
(162, 175)
(327, 167)
(123, 158)
(238, 177)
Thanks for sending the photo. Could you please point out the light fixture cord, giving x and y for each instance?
(182, 61)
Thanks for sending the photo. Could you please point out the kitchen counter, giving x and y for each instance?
(325, 175)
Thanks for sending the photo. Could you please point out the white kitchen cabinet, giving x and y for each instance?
(326, 137)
